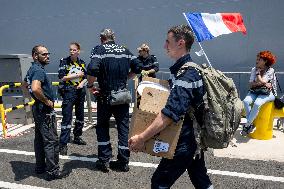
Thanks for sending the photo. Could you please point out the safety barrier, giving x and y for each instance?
(3, 111)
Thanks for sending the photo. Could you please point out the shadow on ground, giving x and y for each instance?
(23, 170)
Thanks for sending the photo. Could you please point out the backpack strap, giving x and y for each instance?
(194, 65)
(191, 111)
(197, 133)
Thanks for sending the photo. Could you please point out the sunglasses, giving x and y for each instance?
(45, 54)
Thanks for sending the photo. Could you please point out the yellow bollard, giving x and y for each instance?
(2, 112)
(264, 122)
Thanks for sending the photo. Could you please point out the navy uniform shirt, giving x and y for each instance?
(37, 72)
(186, 90)
(67, 66)
(110, 64)
(150, 63)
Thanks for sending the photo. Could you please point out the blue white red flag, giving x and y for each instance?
(207, 26)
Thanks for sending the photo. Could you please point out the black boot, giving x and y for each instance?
(58, 175)
(119, 166)
(247, 130)
(78, 140)
(63, 150)
(39, 171)
(102, 166)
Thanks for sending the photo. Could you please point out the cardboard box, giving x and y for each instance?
(152, 101)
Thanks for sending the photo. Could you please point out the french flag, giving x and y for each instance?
(207, 26)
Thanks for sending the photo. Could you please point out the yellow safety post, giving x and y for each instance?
(3, 119)
(264, 121)
(2, 110)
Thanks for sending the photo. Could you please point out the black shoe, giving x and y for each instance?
(251, 128)
(119, 166)
(247, 129)
(59, 175)
(102, 166)
(63, 150)
(39, 171)
(79, 141)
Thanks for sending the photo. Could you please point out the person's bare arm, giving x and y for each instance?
(131, 75)
(91, 80)
(24, 86)
(259, 82)
(151, 71)
(73, 76)
(255, 84)
(82, 84)
(137, 142)
(37, 91)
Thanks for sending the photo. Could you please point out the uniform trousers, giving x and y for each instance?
(71, 97)
(121, 115)
(46, 143)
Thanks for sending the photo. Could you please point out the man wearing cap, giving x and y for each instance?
(150, 63)
(111, 65)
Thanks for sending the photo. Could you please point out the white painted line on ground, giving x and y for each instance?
(246, 175)
(86, 128)
(16, 130)
(20, 129)
(8, 151)
(78, 158)
(140, 164)
(152, 165)
(17, 186)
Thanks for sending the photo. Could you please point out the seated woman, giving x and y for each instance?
(262, 78)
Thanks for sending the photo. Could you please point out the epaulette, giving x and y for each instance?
(180, 72)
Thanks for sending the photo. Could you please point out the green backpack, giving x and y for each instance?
(222, 112)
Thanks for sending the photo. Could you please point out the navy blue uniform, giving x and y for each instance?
(110, 64)
(46, 144)
(150, 63)
(71, 96)
(186, 90)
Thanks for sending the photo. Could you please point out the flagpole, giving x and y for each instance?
(198, 42)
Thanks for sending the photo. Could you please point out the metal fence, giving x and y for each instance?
(241, 80)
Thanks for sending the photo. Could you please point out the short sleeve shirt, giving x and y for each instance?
(37, 72)
(268, 75)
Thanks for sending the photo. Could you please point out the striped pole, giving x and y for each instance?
(2, 109)
(3, 118)
(20, 106)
